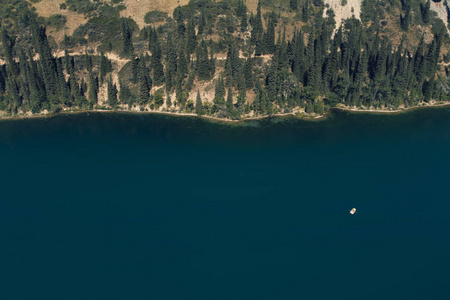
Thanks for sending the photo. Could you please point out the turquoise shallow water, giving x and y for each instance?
(122, 206)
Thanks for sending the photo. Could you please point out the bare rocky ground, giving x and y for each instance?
(351, 8)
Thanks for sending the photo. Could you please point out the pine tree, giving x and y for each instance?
(112, 93)
(230, 106)
(426, 12)
(179, 17)
(212, 65)
(105, 66)
(202, 63)
(145, 84)
(171, 63)
(157, 66)
(202, 23)
(191, 38)
(182, 65)
(269, 36)
(406, 20)
(257, 27)
(127, 33)
(93, 88)
(241, 12)
(219, 92)
(199, 105)
(248, 73)
(125, 95)
(168, 102)
(8, 44)
(293, 4)
(88, 62)
(306, 11)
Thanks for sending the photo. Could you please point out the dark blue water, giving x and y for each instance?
(121, 206)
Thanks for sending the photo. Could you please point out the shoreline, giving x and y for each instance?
(211, 118)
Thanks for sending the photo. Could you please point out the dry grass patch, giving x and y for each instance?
(136, 9)
(47, 8)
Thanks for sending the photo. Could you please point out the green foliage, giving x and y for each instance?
(155, 16)
(106, 30)
(199, 110)
(82, 6)
(57, 21)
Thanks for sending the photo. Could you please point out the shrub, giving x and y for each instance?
(155, 16)
(57, 21)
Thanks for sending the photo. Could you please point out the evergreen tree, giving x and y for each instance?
(293, 4)
(230, 106)
(191, 38)
(306, 11)
(426, 12)
(248, 73)
(212, 65)
(127, 33)
(88, 62)
(112, 93)
(269, 36)
(219, 95)
(93, 88)
(105, 66)
(171, 63)
(199, 105)
(8, 44)
(257, 27)
(125, 95)
(157, 66)
(182, 65)
(145, 84)
(405, 21)
(202, 23)
(202, 63)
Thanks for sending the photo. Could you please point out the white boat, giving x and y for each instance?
(353, 211)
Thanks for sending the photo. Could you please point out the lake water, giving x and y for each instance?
(131, 206)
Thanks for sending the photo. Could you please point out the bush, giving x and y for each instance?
(155, 16)
(57, 21)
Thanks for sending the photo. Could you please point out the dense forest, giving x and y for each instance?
(246, 63)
